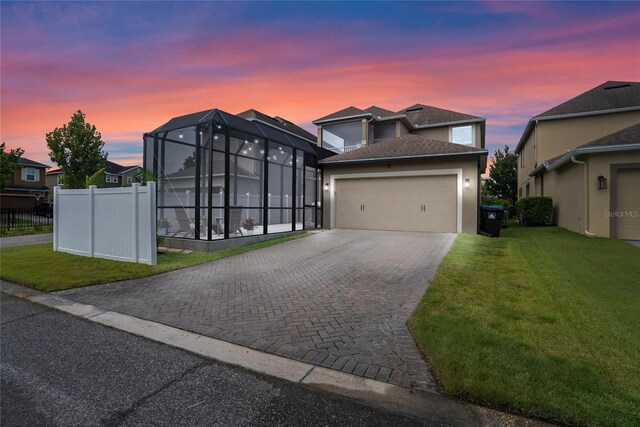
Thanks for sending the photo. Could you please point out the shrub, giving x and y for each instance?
(535, 210)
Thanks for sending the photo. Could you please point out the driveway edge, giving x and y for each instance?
(426, 406)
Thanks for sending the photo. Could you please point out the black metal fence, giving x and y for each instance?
(22, 219)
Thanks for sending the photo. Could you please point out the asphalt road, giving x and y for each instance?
(56, 369)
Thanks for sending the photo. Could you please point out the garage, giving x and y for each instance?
(628, 204)
(407, 203)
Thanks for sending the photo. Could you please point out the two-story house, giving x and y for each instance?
(115, 175)
(417, 169)
(585, 154)
(28, 180)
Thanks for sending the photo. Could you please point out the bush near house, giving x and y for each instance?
(511, 210)
(535, 210)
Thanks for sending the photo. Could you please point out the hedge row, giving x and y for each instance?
(535, 210)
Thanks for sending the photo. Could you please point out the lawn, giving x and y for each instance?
(540, 321)
(39, 267)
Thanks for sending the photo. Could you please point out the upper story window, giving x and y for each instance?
(111, 178)
(129, 180)
(384, 131)
(342, 137)
(30, 174)
(462, 135)
(521, 155)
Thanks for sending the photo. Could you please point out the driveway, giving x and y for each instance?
(338, 299)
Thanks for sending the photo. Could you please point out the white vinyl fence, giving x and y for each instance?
(113, 223)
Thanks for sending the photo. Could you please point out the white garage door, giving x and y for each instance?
(417, 203)
(628, 209)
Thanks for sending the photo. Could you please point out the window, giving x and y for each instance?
(129, 179)
(342, 137)
(384, 131)
(521, 159)
(111, 178)
(59, 179)
(462, 135)
(30, 174)
(527, 191)
(520, 193)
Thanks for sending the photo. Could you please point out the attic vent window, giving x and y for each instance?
(414, 109)
(620, 86)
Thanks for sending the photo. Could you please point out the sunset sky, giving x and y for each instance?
(132, 66)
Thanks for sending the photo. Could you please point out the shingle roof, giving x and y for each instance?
(23, 161)
(626, 136)
(116, 169)
(427, 115)
(347, 112)
(278, 122)
(417, 114)
(405, 147)
(379, 112)
(608, 96)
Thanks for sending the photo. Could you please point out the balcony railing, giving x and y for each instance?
(341, 150)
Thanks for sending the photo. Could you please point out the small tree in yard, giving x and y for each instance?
(77, 148)
(8, 164)
(503, 176)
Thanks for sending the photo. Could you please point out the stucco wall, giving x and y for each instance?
(469, 195)
(565, 186)
(528, 156)
(557, 136)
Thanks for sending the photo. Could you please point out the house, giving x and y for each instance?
(417, 169)
(585, 154)
(28, 180)
(217, 170)
(115, 176)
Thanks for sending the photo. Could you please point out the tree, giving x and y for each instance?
(503, 176)
(8, 163)
(77, 148)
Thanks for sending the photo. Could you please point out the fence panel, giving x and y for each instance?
(22, 219)
(113, 223)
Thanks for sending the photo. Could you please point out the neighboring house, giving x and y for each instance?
(585, 154)
(417, 169)
(115, 176)
(29, 179)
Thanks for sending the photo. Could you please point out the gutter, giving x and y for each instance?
(457, 122)
(586, 195)
(386, 159)
(584, 150)
(336, 119)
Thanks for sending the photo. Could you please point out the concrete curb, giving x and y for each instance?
(428, 407)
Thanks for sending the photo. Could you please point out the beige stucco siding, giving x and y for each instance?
(565, 186)
(468, 168)
(557, 136)
(600, 200)
(526, 164)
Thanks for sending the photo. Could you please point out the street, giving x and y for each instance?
(57, 369)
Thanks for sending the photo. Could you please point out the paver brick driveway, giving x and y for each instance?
(337, 299)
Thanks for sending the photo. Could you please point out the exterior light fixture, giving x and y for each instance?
(181, 135)
(244, 151)
(255, 140)
(602, 183)
(215, 137)
(326, 186)
(467, 183)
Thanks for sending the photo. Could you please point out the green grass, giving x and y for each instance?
(541, 321)
(39, 267)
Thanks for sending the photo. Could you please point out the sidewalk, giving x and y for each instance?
(31, 239)
(428, 407)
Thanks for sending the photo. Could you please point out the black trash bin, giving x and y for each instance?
(490, 220)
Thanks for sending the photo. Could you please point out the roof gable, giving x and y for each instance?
(23, 161)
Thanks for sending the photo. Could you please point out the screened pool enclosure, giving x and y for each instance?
(221, 176)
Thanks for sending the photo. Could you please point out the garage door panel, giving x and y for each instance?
(395, 203)
(628, 204)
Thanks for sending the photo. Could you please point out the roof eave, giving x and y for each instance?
(339, 119)
(586, 150)
(281, 130)
(455, 122)
(405, 158)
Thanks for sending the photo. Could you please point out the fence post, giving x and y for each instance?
(151, 188)
(56, 209)
(92, 220)
(134, 231)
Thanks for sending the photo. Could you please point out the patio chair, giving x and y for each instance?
(234, 221)
(185, 225)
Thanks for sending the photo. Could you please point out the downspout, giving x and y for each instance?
(586, 195)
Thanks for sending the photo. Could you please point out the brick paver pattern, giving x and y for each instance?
(338, 299)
